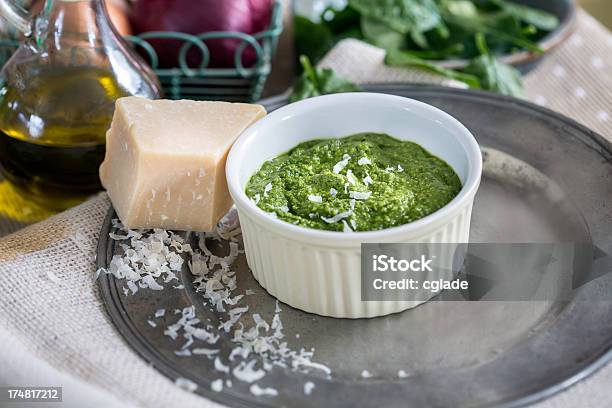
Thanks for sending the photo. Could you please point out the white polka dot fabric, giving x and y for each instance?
(576, 78)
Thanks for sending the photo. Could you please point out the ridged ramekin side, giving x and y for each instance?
(324, 279)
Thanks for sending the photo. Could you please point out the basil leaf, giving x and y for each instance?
(311, 39)
(341, 21)
(537, 18)
(413, 17)
(493, 28)
(319, 81)
(494, 75)
(463, 8)
(381, 35)
(399, 58)
(330, 82)
(303, 89)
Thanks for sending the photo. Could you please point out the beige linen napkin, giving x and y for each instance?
(49, 303)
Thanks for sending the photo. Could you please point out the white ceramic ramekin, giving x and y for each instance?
(319, 271)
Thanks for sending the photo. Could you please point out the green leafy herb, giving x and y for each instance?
(421, 33)
(462, 8)
(319, 81)
(494, 75)
(399, 58)
(413, 17)
(537, 18)
(311, 39)
(381, 35)
(342, 21)
(496, 27)
(484, 71)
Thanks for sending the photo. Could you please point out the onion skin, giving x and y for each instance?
(200, 16)
(117, 12)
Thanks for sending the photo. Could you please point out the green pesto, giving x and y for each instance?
(406, 183)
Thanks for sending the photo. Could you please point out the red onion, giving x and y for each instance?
(200, 16)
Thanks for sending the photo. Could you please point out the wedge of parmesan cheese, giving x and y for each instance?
(165, 161)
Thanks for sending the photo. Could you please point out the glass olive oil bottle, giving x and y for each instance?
(57, 95)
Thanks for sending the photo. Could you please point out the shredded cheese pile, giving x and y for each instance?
(152, 259)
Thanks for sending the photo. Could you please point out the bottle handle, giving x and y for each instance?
(16, 16)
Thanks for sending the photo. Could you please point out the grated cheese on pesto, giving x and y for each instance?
(363, 161)
(315, 198)
(360, 195)
(321, 177)
(338, 167)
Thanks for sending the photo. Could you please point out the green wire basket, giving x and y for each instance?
(236, 84)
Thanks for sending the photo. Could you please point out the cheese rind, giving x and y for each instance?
(165, 160)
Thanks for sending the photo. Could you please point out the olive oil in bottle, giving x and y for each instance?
(57, 97)
(52, 133)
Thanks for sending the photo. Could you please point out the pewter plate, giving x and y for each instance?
(546, 179)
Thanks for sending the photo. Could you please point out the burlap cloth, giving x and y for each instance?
(53, 328)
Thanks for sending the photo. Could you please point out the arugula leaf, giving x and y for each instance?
(311, 39)
(537, 18)
(495, 75)
(413, 17)
(319, 81)
(400, 58)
